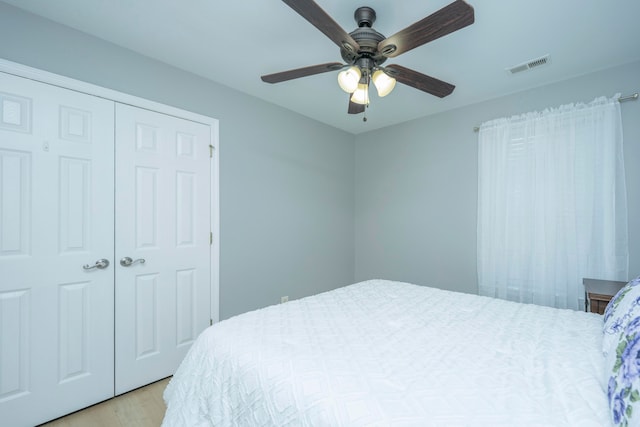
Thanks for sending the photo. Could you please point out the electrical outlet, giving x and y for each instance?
(284, 299)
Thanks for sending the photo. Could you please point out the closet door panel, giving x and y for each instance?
(56, 215)
(163, 190)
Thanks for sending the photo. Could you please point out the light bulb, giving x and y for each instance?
(384, 84)
(361, 95)
(349, 78)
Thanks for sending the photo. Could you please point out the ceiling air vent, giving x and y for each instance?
(529, 64)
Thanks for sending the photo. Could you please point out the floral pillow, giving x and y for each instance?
(618, 313)
(624, 383)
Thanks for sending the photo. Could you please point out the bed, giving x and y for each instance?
(383, 353)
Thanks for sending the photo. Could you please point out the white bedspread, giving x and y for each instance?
(381, 353)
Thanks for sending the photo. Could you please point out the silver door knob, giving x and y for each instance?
(100, 264)
(127, 261)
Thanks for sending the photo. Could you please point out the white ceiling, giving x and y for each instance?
(235, 42)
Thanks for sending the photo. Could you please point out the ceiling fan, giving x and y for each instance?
(365, 50)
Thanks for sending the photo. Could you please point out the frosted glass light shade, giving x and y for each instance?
(349, 78)
(361, 95)
(384, 84)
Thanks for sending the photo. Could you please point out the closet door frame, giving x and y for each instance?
(20, 70)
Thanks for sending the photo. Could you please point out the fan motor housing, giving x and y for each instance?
(367, 38)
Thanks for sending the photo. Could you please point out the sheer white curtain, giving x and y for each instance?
(552, 205)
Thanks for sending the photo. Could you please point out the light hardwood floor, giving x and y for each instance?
(143, 407)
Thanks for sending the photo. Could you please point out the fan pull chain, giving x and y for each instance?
(366, 99)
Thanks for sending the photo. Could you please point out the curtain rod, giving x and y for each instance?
(631, 97)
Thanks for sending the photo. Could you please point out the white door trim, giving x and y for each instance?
(25, 71)
(102, 92)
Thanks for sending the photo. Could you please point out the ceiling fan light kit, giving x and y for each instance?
(365, 50)
(361, 94)
(384, 84)
(348, 79)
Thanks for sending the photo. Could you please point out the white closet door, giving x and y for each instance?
(56, 215)
(163, 190)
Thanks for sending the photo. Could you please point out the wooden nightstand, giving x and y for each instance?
(598, 293)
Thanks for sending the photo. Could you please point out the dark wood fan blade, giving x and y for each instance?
(301, 72)
(420, 81)
(313, 13)
(355, 108)
(450, 18)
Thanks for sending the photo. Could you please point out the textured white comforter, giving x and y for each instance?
(381, 353)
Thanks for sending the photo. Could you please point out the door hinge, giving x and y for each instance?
(211, 151)
(211, 237)
(210, 322)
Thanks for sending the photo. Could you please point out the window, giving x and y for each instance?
(552, 203)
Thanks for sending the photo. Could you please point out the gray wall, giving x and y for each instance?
(292, 221)
(286, 181)
(416, 184)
